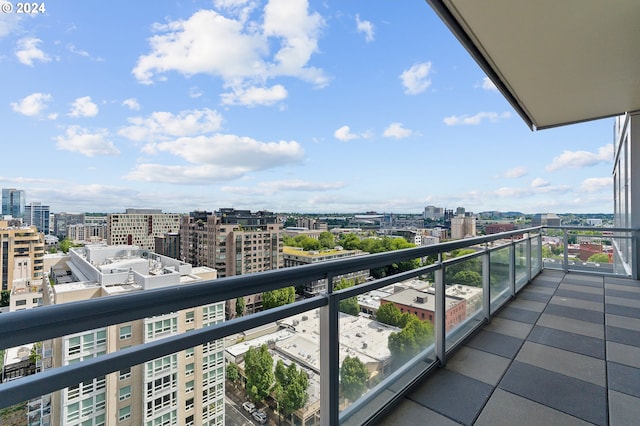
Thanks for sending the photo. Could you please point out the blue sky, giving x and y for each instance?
(283, 105)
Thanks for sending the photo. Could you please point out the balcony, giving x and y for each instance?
(543, 337)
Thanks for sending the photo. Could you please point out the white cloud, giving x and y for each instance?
(597, 184)
(416, 79)
(395, 130)
(253, 96)
(579, 159)
(237, 50)
(217, 158)
(195, 92)
(539, 183)
(273, 187)
(28, 51)
(494, 117)
(32, 105)
(132, 104)
(83, 107)
(515, 172)
(164, 125)
(89, 144)
(9, 23)
(487, 84)
(365, 27)
(344, 134)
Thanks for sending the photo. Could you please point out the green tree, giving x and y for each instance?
(353, 377)
(327, 240)
(279, 297)
(468, 278)
(240, 305)
(258, 365)
(599, 258)
(413, 338)
(65, 245)
(350, 305)
(4, 297)
(291, 388)
(232, 372)
(291, 221)
(388, 313)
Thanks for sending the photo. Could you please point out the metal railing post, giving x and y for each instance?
(565, 262)
(635, 252)
(440, 314)
(329, 359)
(512, 268)
(528, 258)
(486, 284)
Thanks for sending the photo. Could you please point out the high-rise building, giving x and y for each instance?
(184, 388)
(62, 220)
(140, 227)
(21, 254)
(87, 233)
(35, 214)
(168, 245)
(234, 242)
(433, 213)
(13, 202)
(463, 227)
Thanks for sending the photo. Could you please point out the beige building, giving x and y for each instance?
(185, 388)
(90, 233)
(21, 254)
(140, 227)
(234, 242)
(463, 227)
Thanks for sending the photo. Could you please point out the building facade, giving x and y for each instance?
(90, 233)
(140, 227)
(63, 220)
(463, 227)
(13, 202)
(234, 242)
(184, 388)
(295, 256)
(35, 214)
(21, 254)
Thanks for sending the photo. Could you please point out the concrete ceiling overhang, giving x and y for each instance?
(556, 61)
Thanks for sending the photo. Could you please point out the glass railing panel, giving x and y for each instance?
(535, 254)
(273, 372)
(521, 264)
(590, 251)
(463, 299)
(552, 248)
(499, 285)
(394, 345)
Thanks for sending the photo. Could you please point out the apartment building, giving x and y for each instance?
(139, 227)
(90, 233)
(21, 254)
(184, 388)
(35, 214)
(463, 227)
(234, 242)
(63, 220)
(295, 256)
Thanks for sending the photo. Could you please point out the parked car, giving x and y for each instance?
(249, 406)
(260, 417)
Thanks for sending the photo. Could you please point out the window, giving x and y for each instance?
(125, 332)
(189, 317)
(124, 413)
(188, 353)
(125, 374)
(189, 386)
(125, 393)
(189, 404)
(189, 369)
(21, 302)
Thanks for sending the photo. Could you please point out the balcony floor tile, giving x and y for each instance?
(572, 325)
(573, 342)
(410, 412)
(479, 365)
(495, 343)
(515, 314)
(623, 378)
(505, 408)
(575, 397)
(623, 354)
(575, 313)
(623, 409)
(509, 327)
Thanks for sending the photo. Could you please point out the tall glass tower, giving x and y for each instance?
(13, 202)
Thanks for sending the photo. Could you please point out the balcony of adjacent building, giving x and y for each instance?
(555, 338)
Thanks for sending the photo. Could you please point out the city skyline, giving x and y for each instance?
(308, 107)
